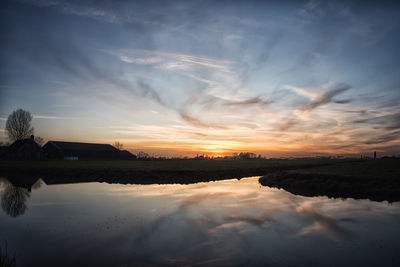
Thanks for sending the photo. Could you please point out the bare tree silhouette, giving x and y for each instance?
(39, 140)
(143, 155)
(18, 125)
(118, 145)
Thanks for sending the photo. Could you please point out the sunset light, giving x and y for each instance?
(199, 133)
(305, 78)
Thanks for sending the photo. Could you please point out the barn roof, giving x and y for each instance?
(23, 149)
(75, 146)
(18, 144)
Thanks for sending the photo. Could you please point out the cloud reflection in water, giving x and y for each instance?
(225, 223)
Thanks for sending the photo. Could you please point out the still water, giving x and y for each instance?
(223, 223)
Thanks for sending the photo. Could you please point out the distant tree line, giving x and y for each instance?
(246, 155)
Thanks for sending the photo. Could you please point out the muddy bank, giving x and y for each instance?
(310, 185)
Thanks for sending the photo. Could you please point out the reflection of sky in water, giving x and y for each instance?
(219, 223)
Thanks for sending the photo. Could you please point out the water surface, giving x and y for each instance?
(223, 223)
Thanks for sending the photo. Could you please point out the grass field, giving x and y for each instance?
(383, 168)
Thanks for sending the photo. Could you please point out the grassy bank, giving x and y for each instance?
(146, 172)
(373, 179)
(155, 165)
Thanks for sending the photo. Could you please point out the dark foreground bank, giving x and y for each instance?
(375, 180)
(146, 172)
(372, 179)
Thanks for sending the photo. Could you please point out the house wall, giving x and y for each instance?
(52, 152)
(27, 151)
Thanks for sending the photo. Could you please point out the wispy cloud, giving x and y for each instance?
(321, 96)
(218, 76)
(101, 11)
(173, 61)
(199, 123)
(249, 102)
(139, 60)
(384, 138)
(35, 116)
(322, 223)
(327, 97)
(387, 121)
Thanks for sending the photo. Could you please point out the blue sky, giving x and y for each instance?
(278, 78)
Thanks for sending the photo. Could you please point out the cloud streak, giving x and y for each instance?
(199, 123)
(320, 99)
(35, 116)
(249, 102)
(322, 223)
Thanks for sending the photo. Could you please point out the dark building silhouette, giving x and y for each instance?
(3, 151)
(125, 154)
(374, 154)
(78, 151)
(24, 149)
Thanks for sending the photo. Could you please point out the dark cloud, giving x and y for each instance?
(326, 223)
(386, 122)
(249, 102)
(248, 125)
(259, 221)
(345, 101)
(383, 138)
(327, 97)
(196, 133)
(358, 112)
(198, 122)
(287, 124)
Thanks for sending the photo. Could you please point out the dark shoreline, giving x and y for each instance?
(151, 172)
(338, 179)
(312, 185)
(57, 176)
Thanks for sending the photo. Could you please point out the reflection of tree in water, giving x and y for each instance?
(13, 200)
(6, 260)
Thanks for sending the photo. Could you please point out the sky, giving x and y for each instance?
(177, 78)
